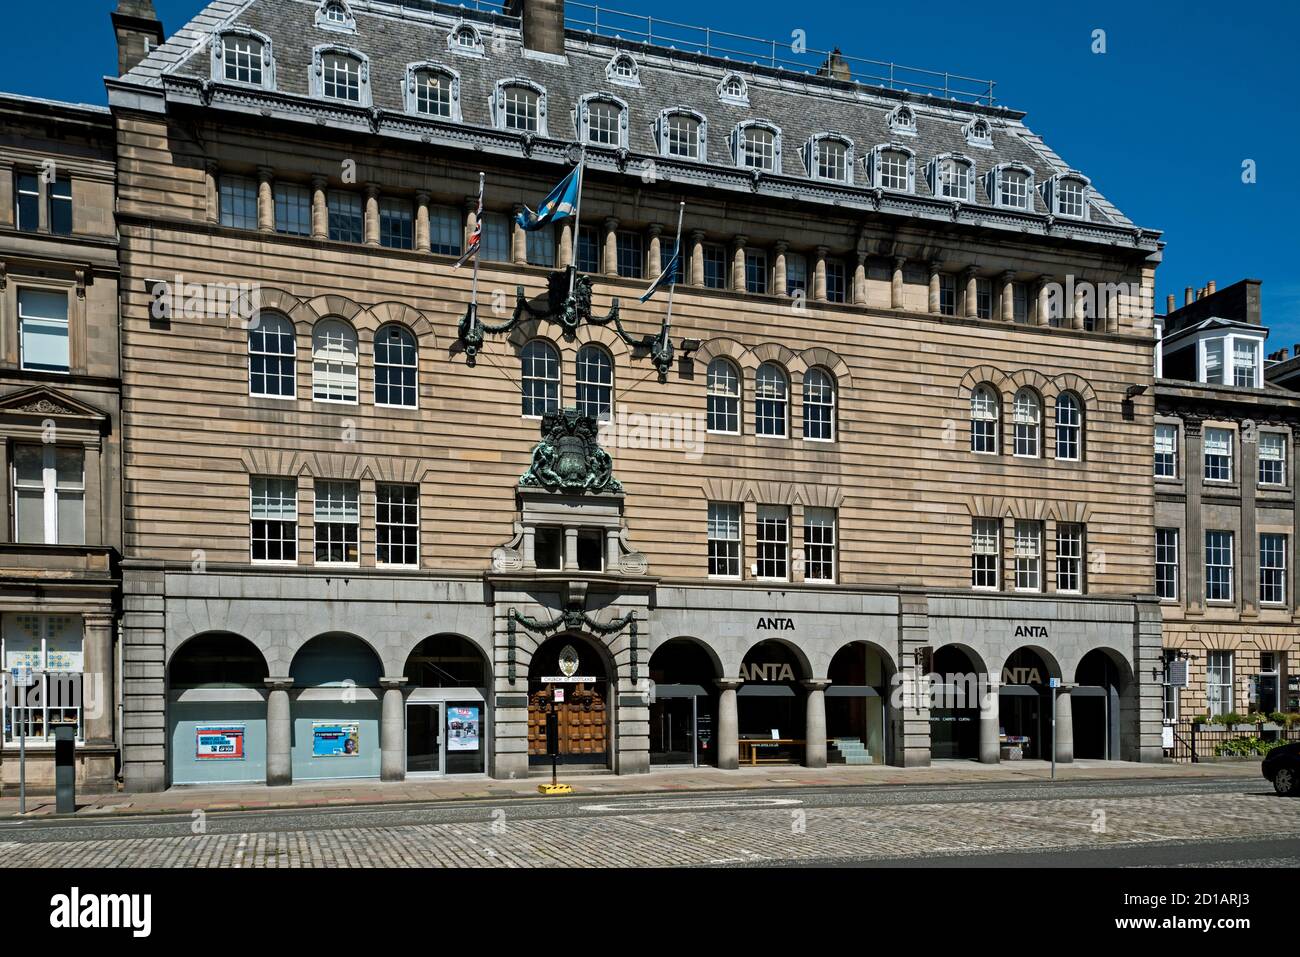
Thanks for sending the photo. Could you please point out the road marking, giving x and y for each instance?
(690, 804)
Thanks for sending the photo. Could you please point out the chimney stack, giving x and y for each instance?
(1169, 303)
(1187, 296)
(835, 67)
(139, 32)
(542, 23)
(1209, 288)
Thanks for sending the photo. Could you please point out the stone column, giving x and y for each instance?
(279, 732)
(422, 239)
(971, 276)
(570, 549)
(653, 256)
(265, 200)
(1008, 296)
(1076, 321)
(471, 219)
(1192, 547)
(564, 255)
(1064, 728)
(1248, 548)
(860, 281)
(518, 239)
(611, 549)
(738, 283)
(728, 724)
(1044, 317)
(372, 214)
(530, 546)
(98, 680)
(212, 189)
(815, 725)
(819, 275)
(932, 301)
(896, 283)
(697, 257)
(610, 265)
(778, 268)
(320, 208)
(392, 731)
(990, 722)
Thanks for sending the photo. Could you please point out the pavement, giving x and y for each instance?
(186, 800)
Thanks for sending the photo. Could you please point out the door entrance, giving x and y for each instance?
(681, 726)
(582, 723)
(423, 738)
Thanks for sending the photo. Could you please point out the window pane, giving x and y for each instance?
(445, 230)
(43, 318)
(595, 382)
(395, 226)
(27, 202)
(292, 210)
(395, 367)
(347, 221)
(61, 206)
(238, 202)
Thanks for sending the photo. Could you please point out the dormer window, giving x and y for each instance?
(829, 157)
(335, 15)
(734, 90)
(520, 106)
(902, 120)
(979, 133)
(465, 40)
(243, 57)
(1012, 186)
(682, 133)
(432, 90)
(602, 121)
(1067, 195)
(623, 70)
(893, 167)
(1245, 362)
(757, 145)
(953, 177)
(341, 74)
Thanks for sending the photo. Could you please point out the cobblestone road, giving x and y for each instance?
(684, 830)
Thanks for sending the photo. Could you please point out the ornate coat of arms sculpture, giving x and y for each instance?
(569, 459)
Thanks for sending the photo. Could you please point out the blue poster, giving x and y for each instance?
(462, 729)
(335, 740)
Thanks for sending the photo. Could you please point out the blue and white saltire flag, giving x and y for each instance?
(560, 204)
(668, 277)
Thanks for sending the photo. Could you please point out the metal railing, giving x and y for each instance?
(1194, 743)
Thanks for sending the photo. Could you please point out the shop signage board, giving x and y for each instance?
(1178, 672)
(462, 728)
(568, 679)
(335, 739)
(219, 742)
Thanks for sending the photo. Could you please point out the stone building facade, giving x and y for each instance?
(891, 437)
(61, 426)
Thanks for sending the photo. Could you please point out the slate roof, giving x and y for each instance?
(393, 36)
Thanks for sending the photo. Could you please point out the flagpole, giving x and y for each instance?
(577, 212)
(478, 224)
(681, 263)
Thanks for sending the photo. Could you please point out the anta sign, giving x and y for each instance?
(776, 624)
(770, 671)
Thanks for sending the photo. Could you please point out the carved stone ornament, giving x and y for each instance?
(568, 459)
(45, 407)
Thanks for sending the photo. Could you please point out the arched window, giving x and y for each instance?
(818, 405)
(683, 134)
(757, 145)
(771, 400)
(333, 362)
(984, 421)
(340, 74)
(979, 133)
(335, 15)
(1012, 186)
(954, 178)
(602, 120)
(520, 106)
(1028, 421)
(902, 120)
(540, 373)
(724, 397)
(464, 40)
(1069, 427)
(1067, 195)
(893, 167)
(829, 157)
(432, 90)
(734, 90)
(623, 70)
(271, 350)
(243, 56)
(595, 381)
(396, 365)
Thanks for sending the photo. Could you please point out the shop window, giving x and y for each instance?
(49, 648)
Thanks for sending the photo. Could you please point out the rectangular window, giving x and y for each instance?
(520, 109)
(341, 78)
(43, 330)
(347, 221)
(832, 160)
(1218, 682)
(947, 295)
(588, 250)
(1015, 189)
(1171, 691)
(954, 181)
(540, 245)
(495, 241)
(1266, 693)
(819, 544)
(1069, 557)
(1272, 458)
(603, 122)
(446, 230)
(893, 170)
(665, 257)
(397, 524)
(274, 519)
(773, 541)
(1272, 568)
(49, 489)
(837, 281)
(984, 298)
(1019, 302)
(986, 552)
(51, 648)
(27, 202)
(292, 210)
(796, 274)
(631, 255)
(1029, 556)
(1245, 353)
(715, 266)
(1218, 455)
(1167, 564)
(756, 271)
(238, 202)
(1214, 360)
(1166, 460)
(60, 203)
(338, 521)
(724, 539)
(1218, 565)
(243, 59)
(396, 227)
(759, 148)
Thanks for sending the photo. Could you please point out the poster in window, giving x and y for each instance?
(219, 742)
(335, 740)
(462, 728)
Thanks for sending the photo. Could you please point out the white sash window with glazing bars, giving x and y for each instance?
(1029, 556)
(338, 522)
(986, 552)
(1218, 455)
(1272, 458)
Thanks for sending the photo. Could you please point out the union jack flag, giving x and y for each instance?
(471, 248)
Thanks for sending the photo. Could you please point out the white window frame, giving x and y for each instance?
(875, 167)
(318, 56)
(1227, 456)
(613, 75)
(1256, 347)
(820, 539)
(291, 484)
(1053, 189)
(291, 355)
(348, 490)
(410, 90)
(325, 355)
(1280, 458)
(50, 490)
(1218, 691)
(1029, 555)
(1229, 539)
(731, 400)
(1171, 430)
(347, 25)
(498, 104)
(1064, 401)
(902, 120)
(1027, 431)
(266, 57)
(553, 384)
(403, 525)
(54, 324)
(979, 133)
(812, 154)
(781, 401)
(460, 29)
(1279, 571)
(733, 521)
(996, 183)
(585, 382)
(11, 706)
(1069, 561)
(983, 412)
(986, 554)
(740, 149)
(413, 367)
(1172, 545)
(817, 402)
(582, 119)
(731, 98)
(702, 133)
(772, 549)
(959, 163)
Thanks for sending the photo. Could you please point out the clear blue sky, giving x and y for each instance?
(1187, 90)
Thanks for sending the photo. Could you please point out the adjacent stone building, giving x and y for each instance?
(889, 431)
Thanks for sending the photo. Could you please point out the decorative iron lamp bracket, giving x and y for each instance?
(569, 310)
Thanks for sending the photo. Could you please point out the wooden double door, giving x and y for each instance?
(583, 721)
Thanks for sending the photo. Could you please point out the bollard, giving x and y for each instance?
(65, 768)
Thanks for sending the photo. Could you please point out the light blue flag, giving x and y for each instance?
(666, 278)
(560, 204)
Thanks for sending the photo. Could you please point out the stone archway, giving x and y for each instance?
(772, 708)
(1025, 706)
(1104, 705)
(858, 709)
(578, 670)
(684, 675)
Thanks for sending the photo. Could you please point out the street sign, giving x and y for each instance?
(1054, 682)
(558, 695)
